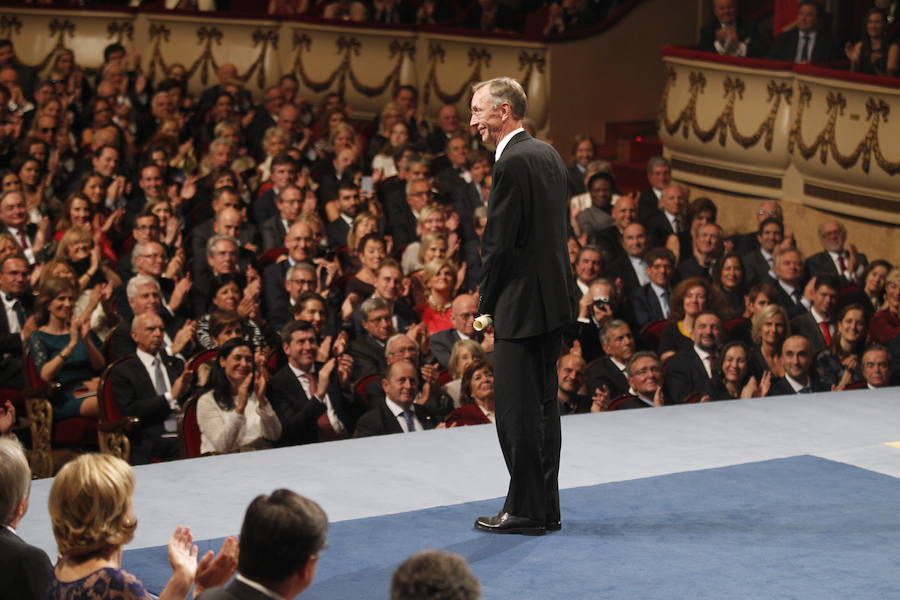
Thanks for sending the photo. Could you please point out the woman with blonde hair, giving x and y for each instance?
(885, 324)
(92, 516)
(439, 277)
(770, 328)
(431, 220)
(274, 142)
(78, 248)
(463, 354)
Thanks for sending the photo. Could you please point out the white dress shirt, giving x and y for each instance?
(810, 45)
(503, 142)
(640, 269)
(705, 359)
(12, 318)
(333, 418)
(148, 360)
(398, 411)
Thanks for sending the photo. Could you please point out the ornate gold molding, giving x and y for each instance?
(478, 58)
(119, 31)
(8, 25)
(529, 63)
(825, 142)
(724, 124)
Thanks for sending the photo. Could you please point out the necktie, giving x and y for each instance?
(20, 313)
(23, 239)
(805, 390)
(826, 332)
(710, 361)
(797, 296)
(311, 381)
(159, 380)
(676, 226)
(664, 301)
(842, 265)
(804, 51)
(410, 424)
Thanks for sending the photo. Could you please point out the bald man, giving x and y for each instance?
(462, 313)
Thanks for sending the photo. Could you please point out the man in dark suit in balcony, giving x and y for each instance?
(807, 42)
(730, 34)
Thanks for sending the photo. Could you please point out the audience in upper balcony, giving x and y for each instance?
(809, 41)
(876, 53)
(731, 34)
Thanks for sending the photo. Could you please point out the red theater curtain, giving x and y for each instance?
(785, 15)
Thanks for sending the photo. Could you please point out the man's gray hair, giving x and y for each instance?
(410, 183)
(138, 251)
(215, 239)
(221, 141)
(15, 478)
(608, 327)
(137, 281)
(506, 90)
(290, 186)
(301, 266)
(372, 304)
(637, 356)
(656, 161)
(390, 341)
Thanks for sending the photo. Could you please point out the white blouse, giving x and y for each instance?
(224, 431)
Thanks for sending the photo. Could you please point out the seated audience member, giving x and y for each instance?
(871, 290)
(92, 517)
(570, 381)
(839, 363)
(760, 260)
(690, 298)
(588, 267)
(659, 175)
(476, 397)
(596, 217)
(885, 324)
(731, 378)
(401, 209)
(18, 302)
(818, 325)
(433, 246)
(745, 243)
(399, 413)
(611, 370)
(434, 575)
(389, 286)
(689, 372)
(311, 307)
(64, 351)
(788, 269)
(799, 377)
(581, 201)
(728, 278)
(235, 414)
(463, 310)
(464, 353)
(281, 538)
(583, 150)
(368, 349)
(440, 279)
(652, 301)
(876, 53)
(301, 242)
(876, 367)
(225, 293)
(26, 568)
(300, 279)
(741, 326)
(769, 330)
(730, 34)
(807, 42)
(349, 204)
(289, 203)
(150, 386)
(706, 251)
(431, 220)
(631, 267)
(671, 219)
(595, 309)
(847, 264)
(645, 386)
(313, 400)
(609, 241)
(371, 250)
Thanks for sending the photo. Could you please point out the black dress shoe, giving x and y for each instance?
(507, 523)
(553, 525)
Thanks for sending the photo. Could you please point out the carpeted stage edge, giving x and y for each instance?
(799, 527)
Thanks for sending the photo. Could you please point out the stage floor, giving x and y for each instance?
(375, 477)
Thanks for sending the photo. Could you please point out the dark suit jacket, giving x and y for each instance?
(784, 300)
(747, 32)
(299, 414)
(133, 389)
(685, 375)
(781, 387)
(604, 371)
(471, 255)
(623, 269)
(576, 181)
(826, 48)
(442, 345)
(647, 308)
(627, 401)
(648, 205)
(526, 278)
(659, 228)
(368, 356)
(401, 222)
(235, 590)
(821, 264)
(200, 234)
(272, 233)
(26, 569)
(276, 300)
(380, 421)
(337, 232)
(689, 267)
(610, 243)
(756, 267)
(11, 348)
(806, 326)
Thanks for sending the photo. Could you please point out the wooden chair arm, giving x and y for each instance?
(125, 424)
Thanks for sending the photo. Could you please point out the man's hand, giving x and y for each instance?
(601, 399)
(658, 399)
(214, 572)
(184, 336)
(324, 376)
(345, 368)
(182, 384)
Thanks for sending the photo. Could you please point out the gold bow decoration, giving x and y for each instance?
(529, 63)
(478, 59)
(158, 34)
(10, 25)
(119, 30)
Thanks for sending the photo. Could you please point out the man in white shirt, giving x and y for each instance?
(399, 413)
(835, 258)
(17, 305)
(689, 371)
(797, 361)
(876, 367)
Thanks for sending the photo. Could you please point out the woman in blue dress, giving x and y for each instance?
(64, 350)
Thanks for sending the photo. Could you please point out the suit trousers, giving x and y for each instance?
(528, 423)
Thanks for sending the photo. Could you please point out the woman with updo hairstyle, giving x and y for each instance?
(439, 277)
(92, 516)
(225, 295)
(431, 220)
(432, 247)
(731, 378)
(234, 415)
(689, 298)
(275, 141)
(464, 353)
(371, 251)
(476, 396)
(770, 328)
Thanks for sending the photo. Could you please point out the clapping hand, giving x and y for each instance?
(601, 399)
(183, 553)
(215, 570)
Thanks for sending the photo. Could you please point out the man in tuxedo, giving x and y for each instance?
(588, 267)
(462, 313)
(645, 384)
(798, 362)
(448, 125)
(14, 221)
(631, 267)
(705, 252)
(651, 302)
(611, 370)
(403, 213)
(398, 413)
(670, 220)
(149, 258)
(284, 173)
(690, 371)
(730, 34)
(834, 259)
(624, 213)
(313, 400)
(818, 324)
(759, 262)
(26, 569)
(289, 203)
(526, 285)
(222, 198)
(570, 379)
(368, 349)
(281, 539)
(17, 307)
(389, 286)
(349, 204)
(450, 170)
(807, 42)
(659, 175)
(149, 385)
(876, 367)
(788, 269)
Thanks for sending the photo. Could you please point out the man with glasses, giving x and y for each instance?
(301, 242)
(145, 229)
(463, 311)
(368, 350)
(402, 218)
(644, 385)
(300, 279)
(651, 302)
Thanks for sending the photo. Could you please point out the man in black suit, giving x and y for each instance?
(448, 125)
(462, 313)
(402, 212)
(645, 385)
(368, 350)
(834, 259)
(670, 220)
(651, 302)
(313, 400)
(705, 252)
(876, 367)
(624, 213)
(471, 196)
(149, 385)
(745, 243)
(389, 286)
(14, 221)
(818, 325)
(787, 266)
(595, 309)
(570, 378)
(631, 267)
(17, 307)
(26, 569)
(398, 413)
(281, 539)
(301, 242)
(349, 204)
(588, 267)
(526, 285)
(690, 370)
(730, 34)
(611, 370)
(659, 175)
(453, 175)
(289, 203)
(265, 116)
(758, 263)
(806, 43)
(798, 377)
(284, 173)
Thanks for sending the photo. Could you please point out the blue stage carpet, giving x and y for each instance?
(800, 527)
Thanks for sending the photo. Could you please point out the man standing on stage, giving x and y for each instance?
(527, 288)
